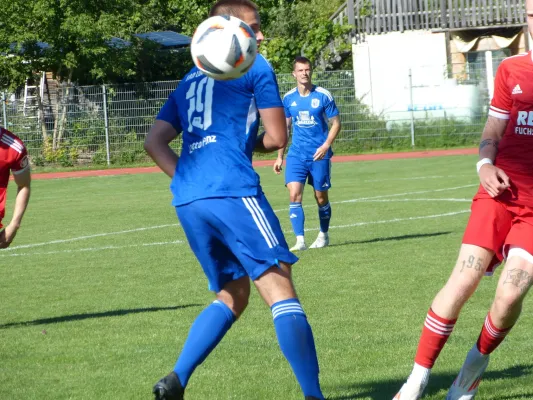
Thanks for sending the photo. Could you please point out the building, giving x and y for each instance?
(433, 57)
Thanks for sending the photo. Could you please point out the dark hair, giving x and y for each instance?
(232, 7)
(301, 60)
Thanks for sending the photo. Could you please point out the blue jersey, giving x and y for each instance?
(310, 115)
(219, 121)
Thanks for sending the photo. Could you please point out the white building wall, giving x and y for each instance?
(382, 65)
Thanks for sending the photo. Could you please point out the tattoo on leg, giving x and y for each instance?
(472, 262)
(488, 142)
(520, 278)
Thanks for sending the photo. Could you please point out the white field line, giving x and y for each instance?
(406, 194)
(389, 221)
(415, 178)
(362, 199)
(91, 249)
(407, 200)
(385, 196)
(65, 196)
(146, 228)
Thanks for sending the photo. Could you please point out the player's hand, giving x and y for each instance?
(321, 152)
(6, 236)
(278, 165)
(493, 179)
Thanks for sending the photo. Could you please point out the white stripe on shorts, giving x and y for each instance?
(258, 221)
(263, 218)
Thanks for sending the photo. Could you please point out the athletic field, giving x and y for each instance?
(99, 289)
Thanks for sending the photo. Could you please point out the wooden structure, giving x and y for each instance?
(372, 17)
(484, 25)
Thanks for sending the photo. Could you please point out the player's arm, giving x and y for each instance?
(157, 146)
(493, 179)
(332, 134)
(281, 152)
(23, 182)
(275, 135)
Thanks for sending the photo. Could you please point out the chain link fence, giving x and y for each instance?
(107, 124)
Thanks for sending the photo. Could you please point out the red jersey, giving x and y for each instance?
(14, 158)
(513, 100)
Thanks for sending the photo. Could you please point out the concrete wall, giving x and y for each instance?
(383, 64)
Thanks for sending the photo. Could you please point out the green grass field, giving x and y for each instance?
(99, 289)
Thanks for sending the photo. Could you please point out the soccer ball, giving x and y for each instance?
(223, 47)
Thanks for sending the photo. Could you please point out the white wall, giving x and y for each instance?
(382, 65)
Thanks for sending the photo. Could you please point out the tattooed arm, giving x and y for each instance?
(492, 134)
(494, 180)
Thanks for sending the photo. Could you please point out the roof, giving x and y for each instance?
(166, 38)
(42, 46)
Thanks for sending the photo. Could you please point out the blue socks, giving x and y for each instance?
(206, 332)
(324, 214)
(292, 329)
(297, 217)
(297, 344)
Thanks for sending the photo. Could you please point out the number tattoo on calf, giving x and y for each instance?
(472, 263)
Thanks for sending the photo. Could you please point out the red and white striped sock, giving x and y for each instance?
(435, 333)
(490, 336)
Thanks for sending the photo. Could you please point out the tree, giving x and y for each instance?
(76, 41)
(81, 48)
(92, 42)
(79, 35)
(300, 28)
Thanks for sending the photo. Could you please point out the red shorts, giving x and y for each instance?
(497, 226)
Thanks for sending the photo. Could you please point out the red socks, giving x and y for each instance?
(437, 330)
(490, 336)
(434, 336)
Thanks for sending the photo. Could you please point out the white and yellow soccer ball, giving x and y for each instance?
(223, 47)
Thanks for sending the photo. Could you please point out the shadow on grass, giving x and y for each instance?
(385, 390)
(80, 317)
(384, 239)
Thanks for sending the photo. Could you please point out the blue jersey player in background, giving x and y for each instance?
(229, 224)
(308, 109)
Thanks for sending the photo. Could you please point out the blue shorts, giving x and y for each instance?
(317, 173)
(234, 237)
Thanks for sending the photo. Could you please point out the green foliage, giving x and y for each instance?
(301, 28)
(79, 36)
(281, 52)
(439, 133)
(79, 33)
(99, 157)
(65, 156)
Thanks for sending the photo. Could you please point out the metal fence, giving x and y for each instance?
(107, 124)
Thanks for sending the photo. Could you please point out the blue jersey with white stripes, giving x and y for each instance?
(219, 121)
(310, 115)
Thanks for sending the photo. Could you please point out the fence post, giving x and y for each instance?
(443, 14)
(350, 13)
(412, 107)
(490, 73)
(4, 112)
(106, 124)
